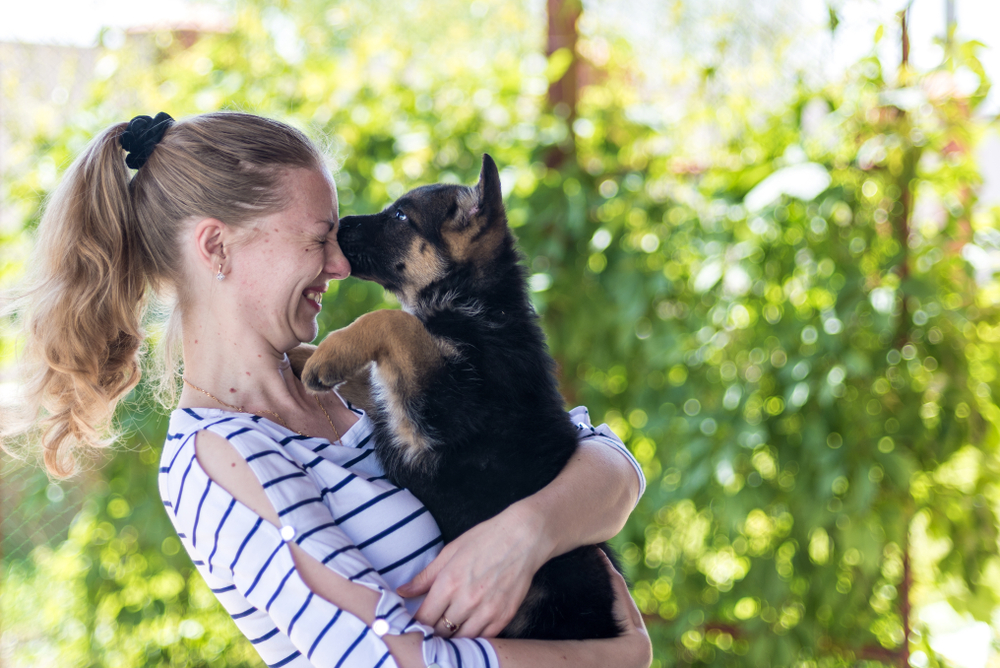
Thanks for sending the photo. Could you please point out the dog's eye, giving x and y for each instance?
(401, 216)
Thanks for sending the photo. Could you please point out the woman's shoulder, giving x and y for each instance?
(257, 437)
(185, 422)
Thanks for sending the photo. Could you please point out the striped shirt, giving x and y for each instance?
(333, 500)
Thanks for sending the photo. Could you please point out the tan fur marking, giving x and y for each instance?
(396, 340)
(403, 353)
(457, 237)
(464, 243)
(464, 246)
(458, 242)
(424, 265)
(408, 437)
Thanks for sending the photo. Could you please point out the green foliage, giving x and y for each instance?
(808, 384)
(119, 591)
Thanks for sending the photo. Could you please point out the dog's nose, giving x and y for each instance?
(348, 222)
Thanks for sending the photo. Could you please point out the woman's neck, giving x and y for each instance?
(233, 366)
(236, 366)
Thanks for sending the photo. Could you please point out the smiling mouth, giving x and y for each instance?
(315, 296)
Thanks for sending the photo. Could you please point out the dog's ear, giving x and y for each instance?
(490, 199)
(481, 206)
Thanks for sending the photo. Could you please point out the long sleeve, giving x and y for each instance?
(248, 563)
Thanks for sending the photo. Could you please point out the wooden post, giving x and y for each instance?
(906, 198)
(563, 33)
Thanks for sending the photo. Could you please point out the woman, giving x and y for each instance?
(271, 488)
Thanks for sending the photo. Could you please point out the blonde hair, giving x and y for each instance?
(107, 239)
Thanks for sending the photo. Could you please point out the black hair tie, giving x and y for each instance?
(141, 137)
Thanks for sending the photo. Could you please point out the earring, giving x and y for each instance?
(220, 276)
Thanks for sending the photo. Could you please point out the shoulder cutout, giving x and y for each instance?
(227, 468)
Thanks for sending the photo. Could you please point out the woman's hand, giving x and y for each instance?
(479, 580)
(635, 638)
(631, 649)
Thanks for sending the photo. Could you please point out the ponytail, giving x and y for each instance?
(82, 310)
(106, 238)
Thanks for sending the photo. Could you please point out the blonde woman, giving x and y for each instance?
(273, 489)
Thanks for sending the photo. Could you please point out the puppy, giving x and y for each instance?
(463, 396)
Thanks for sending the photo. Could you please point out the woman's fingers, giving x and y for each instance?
(447, 627)
(421, 584)
(493, 629)
(638, 648)
(471, 629)
(439, 589)
(472, 608)
(478, 580)
(625, 608)
(483, 622)
(458, 606)
(433, 607)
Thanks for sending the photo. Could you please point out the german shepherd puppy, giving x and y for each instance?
(464, 400)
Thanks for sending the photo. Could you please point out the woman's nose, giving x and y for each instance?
(337, 264)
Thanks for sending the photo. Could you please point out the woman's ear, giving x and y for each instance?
(211, 236)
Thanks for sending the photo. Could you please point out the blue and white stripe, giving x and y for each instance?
(343, 512)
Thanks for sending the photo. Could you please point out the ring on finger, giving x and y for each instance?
(450, 625)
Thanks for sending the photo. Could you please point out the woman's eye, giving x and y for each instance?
(400, 216)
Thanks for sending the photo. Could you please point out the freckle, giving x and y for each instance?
(196, 340)
(232, 389)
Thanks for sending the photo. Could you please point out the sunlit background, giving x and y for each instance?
(763, 239)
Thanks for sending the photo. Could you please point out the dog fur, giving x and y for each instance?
(463, 394)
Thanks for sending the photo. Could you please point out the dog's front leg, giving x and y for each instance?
(356, 389)
(396, 341)
(298, 356)
(398, 355)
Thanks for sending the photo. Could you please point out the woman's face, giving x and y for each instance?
(284, 268)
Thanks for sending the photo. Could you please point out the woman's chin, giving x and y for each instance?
(308, 333)
(306, 328)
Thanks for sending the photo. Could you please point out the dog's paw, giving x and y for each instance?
(330, 365)
(298, 357)
(316, 378)
(321, 375)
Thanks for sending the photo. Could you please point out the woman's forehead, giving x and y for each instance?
(312, 196)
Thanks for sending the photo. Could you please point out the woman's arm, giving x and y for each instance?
(405, 640)
(588, 502)
(227, 468)
(631, 649)
(479, 580)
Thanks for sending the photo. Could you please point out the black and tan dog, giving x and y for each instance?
(463, 396)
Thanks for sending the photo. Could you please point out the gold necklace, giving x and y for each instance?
(264, 410)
